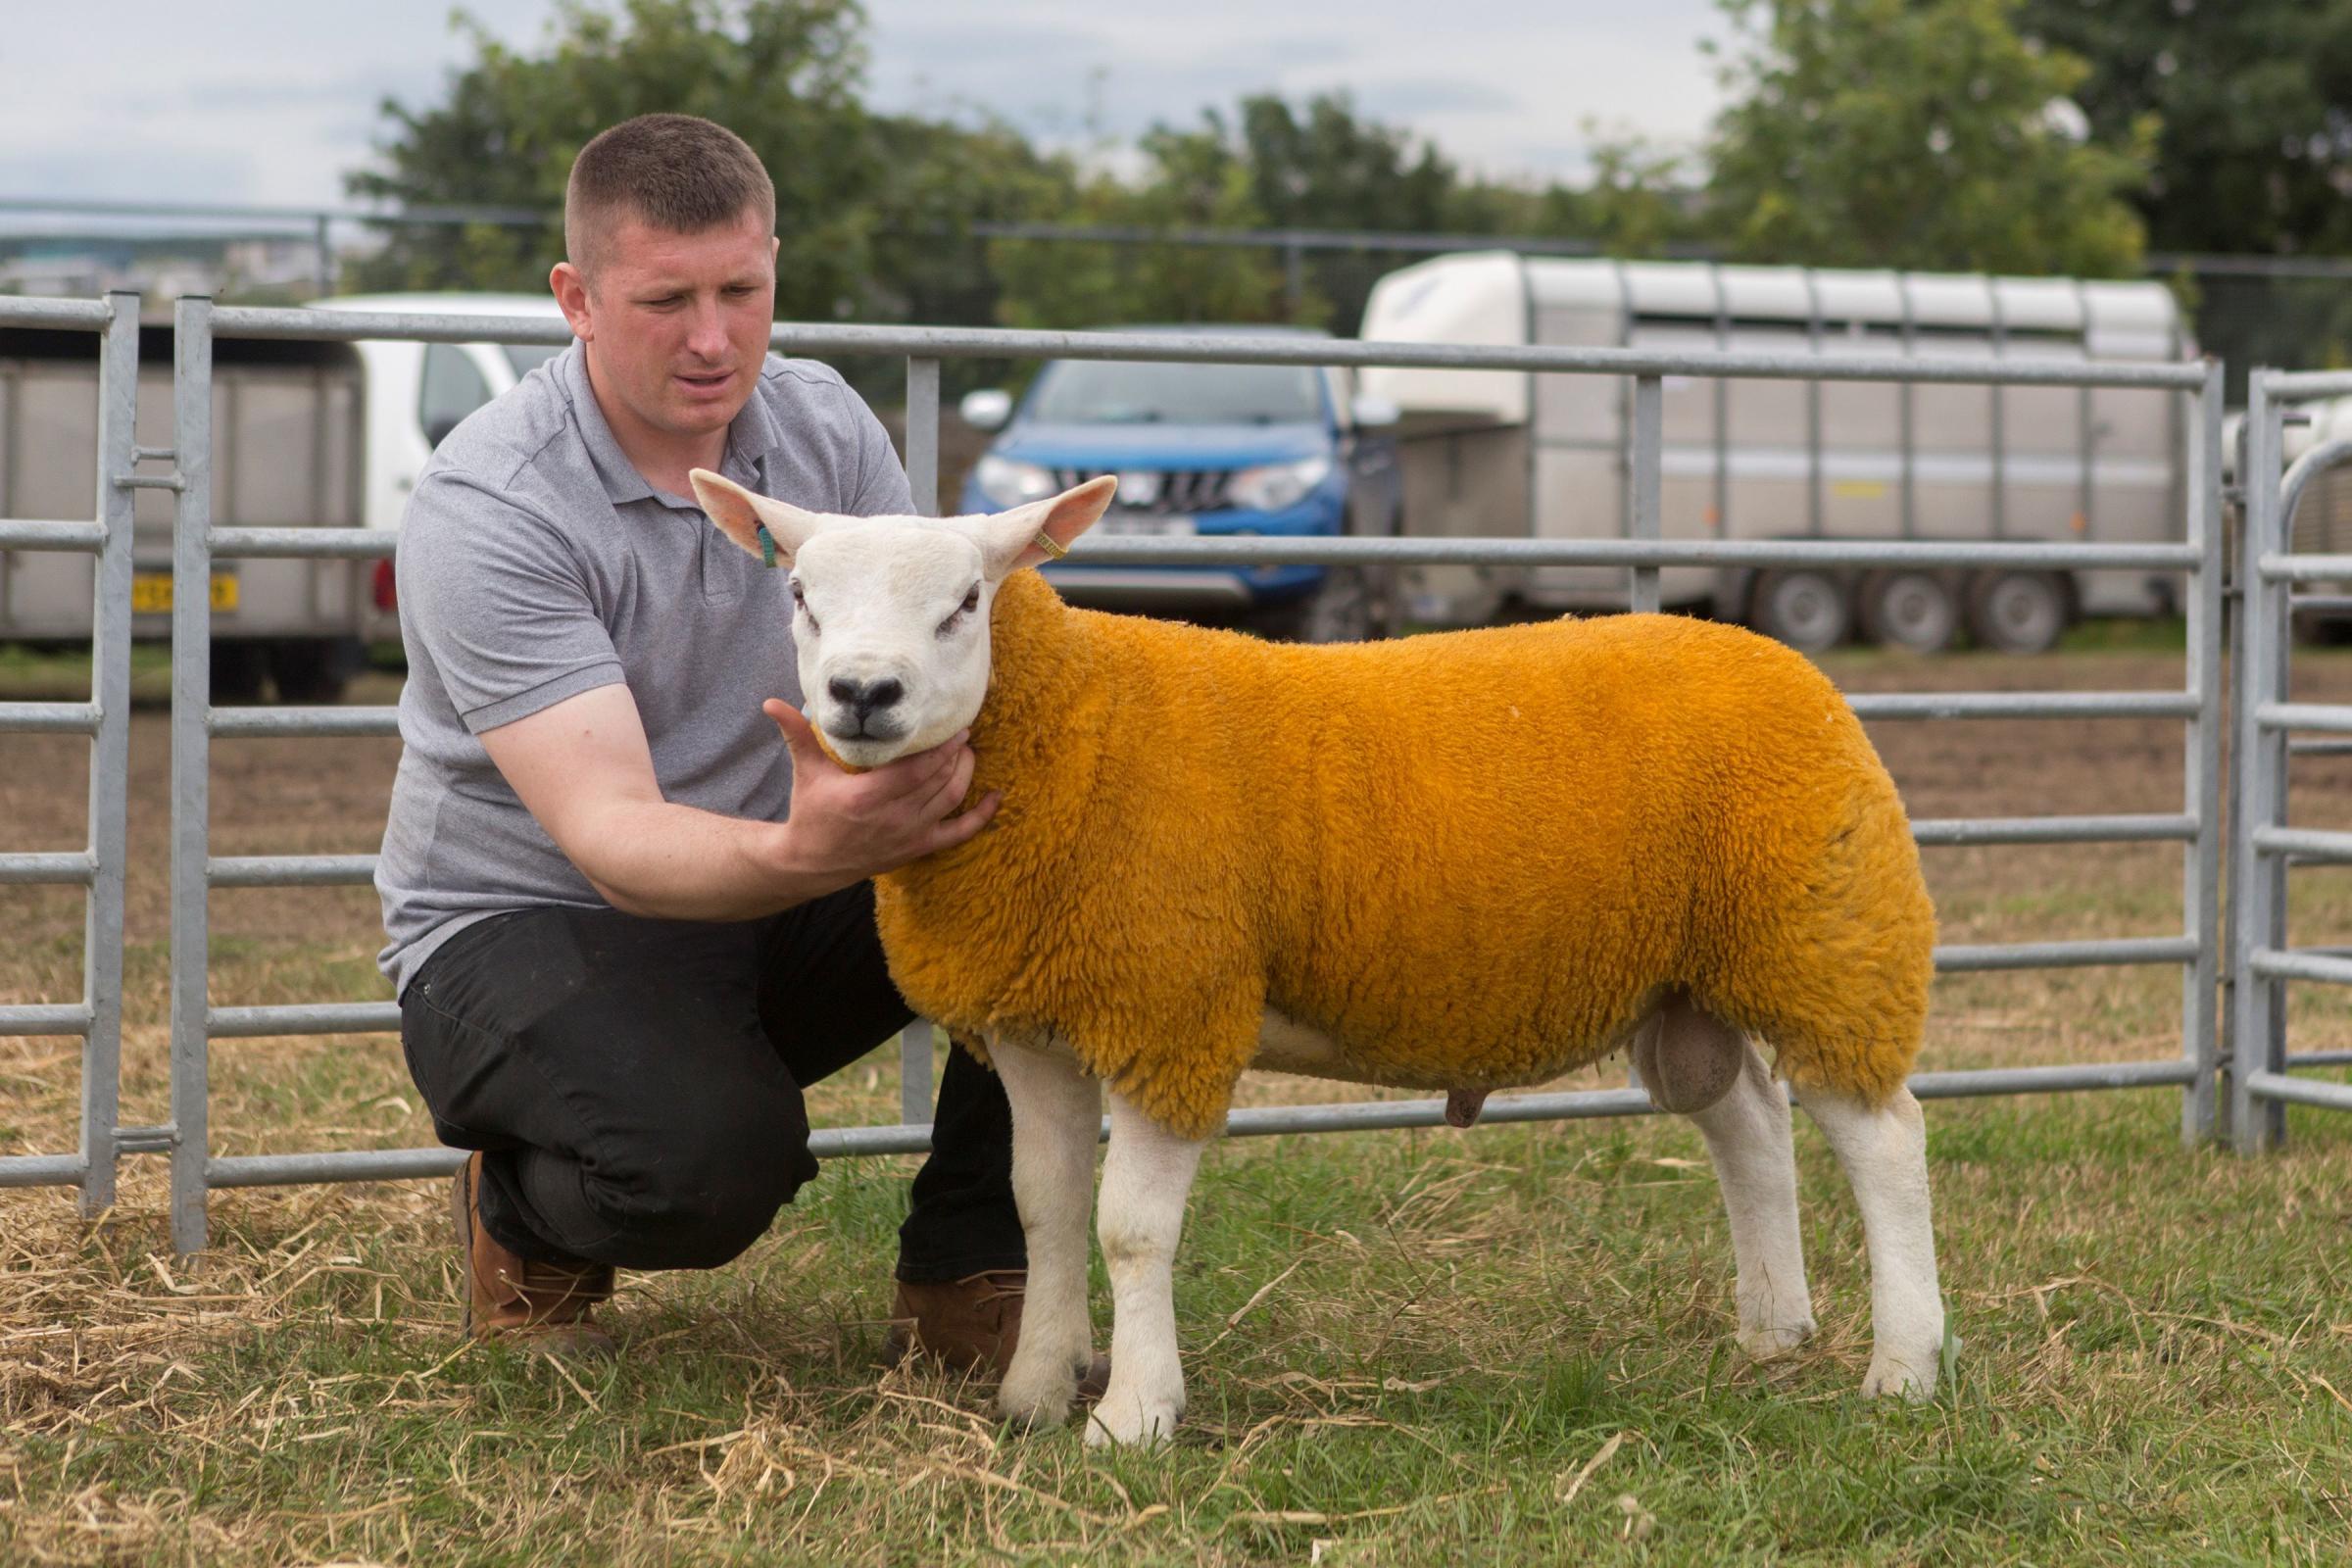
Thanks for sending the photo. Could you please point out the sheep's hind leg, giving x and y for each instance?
(1146, 1178)
(1885, 1154)
(1687, 1055)
(1056, 1112)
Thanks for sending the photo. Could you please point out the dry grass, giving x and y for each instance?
(1509, 1346)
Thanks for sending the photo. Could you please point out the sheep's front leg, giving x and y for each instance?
(1884, 1152)
(1056, 1113)
(1146, 1179)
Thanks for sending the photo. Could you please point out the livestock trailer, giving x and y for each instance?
(1509, 454)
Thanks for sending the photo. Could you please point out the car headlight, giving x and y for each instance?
(1010, 484)
(1273, 486)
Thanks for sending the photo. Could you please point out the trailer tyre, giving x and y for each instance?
(2019, 612)
(1809, 611)
(238, 670)
(1918, 610)
(315, 669)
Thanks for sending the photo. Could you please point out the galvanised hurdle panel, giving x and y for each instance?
(1641, 553)
(105, 718)
(2264, 844)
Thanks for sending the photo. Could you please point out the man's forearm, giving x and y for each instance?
(675, 862)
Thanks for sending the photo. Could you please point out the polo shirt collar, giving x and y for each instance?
(749, 438)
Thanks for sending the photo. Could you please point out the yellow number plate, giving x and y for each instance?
(152, 591)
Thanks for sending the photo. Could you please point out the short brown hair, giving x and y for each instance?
(678, 173)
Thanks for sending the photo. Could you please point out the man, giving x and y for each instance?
(626, 925)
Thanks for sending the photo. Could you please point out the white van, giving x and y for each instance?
(1497, 453)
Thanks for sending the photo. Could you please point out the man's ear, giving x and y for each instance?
(1008, 541)
(739, 513)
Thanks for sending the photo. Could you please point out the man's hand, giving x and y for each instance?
(583, 768)
(846, 828)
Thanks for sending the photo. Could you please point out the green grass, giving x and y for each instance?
(2155, 1370)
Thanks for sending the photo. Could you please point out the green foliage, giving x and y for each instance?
(1915, 134)
(2254, 100)
(784, 75)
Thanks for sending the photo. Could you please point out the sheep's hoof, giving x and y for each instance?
(1891, 1377)
(1762, 1344)
(1040, 1399)
(1130, 1421)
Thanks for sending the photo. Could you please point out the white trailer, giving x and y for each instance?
(1506, 454)
(303, 435)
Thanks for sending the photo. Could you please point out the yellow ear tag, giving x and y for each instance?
(1046, 541)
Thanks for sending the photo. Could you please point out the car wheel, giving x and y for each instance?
(1918, 610)
(1809, 611)
(2019, 612)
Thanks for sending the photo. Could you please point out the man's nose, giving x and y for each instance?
(864, 697)
(706, 335)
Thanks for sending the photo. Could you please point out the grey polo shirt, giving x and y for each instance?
(536, 563)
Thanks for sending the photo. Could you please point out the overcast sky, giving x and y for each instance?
(272, 101)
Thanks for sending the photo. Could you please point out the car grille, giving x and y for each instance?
(1180, 490)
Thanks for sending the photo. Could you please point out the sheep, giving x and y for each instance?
(1460, 861)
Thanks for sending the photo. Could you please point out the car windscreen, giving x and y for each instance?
(1107, 392)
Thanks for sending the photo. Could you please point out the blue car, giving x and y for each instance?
(1206, 450)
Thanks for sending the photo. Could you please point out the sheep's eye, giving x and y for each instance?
(971, 602)
(801, 601)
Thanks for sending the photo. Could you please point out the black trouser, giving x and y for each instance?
(635, 1085)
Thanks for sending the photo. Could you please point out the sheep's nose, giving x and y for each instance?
(864, 697)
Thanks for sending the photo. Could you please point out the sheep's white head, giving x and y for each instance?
(890, 613)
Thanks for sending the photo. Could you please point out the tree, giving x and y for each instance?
(1916, 133)
(2254, 100)
(867, 207)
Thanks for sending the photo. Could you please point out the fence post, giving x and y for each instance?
(922, 478)
(2257, 882)
(2201, 871)
(1648, 483)
(191, 762)
(110, 755)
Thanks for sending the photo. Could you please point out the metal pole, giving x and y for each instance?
(110, 754)
(915, 1092)
(1648, 416)
(2255, 1124)
(192, 760)
(2201, 860)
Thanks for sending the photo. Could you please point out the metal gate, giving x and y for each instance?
(2196, 557)
(2265, 846)
(105, 718)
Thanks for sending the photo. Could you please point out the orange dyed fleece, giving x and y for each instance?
(1475, 860)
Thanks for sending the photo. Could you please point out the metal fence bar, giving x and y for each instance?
(1936, 832)
(954, 342)
(258, 723)
(915, 1090)
(192, 760)
(2201, 765)
(2292, 963)
(45, 1019)
(67, 870)
(16, 533)
(304, 1018)
(110, 754)
(2303, 843)
(2319, 1059)
(303, 543)
(1647, 481)
(290, 870)
(48, 718)
(2022, 705)
(2064, 954)
(2276, 1090)
(2330, 718)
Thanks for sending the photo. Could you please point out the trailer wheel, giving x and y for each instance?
(237, 671)
(2019, 612)
(1349, 605)
(1918, 610)
(315, 669)
(1808, 610)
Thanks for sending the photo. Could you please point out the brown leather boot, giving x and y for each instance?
(541, 1307)
(972, 1324)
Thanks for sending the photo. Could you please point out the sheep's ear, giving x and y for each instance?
(1010, 540)
(739, 513)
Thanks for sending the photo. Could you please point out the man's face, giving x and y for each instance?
(677, 325)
